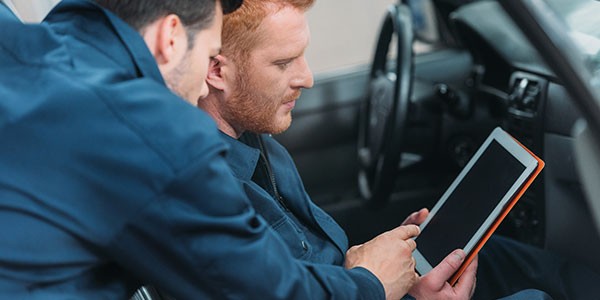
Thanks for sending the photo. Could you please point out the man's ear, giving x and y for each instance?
(216, 70)
(170, 42)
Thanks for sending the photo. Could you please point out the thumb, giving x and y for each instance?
(444, 270)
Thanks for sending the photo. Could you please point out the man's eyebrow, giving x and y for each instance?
(287, 59)
(283, 60)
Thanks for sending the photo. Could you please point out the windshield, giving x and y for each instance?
(583, 22)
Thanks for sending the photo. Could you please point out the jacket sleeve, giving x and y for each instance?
(201, 239)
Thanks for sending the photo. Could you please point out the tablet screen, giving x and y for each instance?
(469, 205)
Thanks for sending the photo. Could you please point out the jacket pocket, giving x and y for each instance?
(278, 219)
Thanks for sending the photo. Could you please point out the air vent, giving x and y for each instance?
(523, 98)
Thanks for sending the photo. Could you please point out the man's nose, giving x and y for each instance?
(305, 77)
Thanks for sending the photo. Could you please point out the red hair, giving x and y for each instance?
(240, 28)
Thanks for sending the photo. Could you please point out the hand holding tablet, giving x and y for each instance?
(476, 202)
(434, 285)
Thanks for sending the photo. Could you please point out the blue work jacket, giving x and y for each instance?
(310, 233)
(6, 13)
(108, 180)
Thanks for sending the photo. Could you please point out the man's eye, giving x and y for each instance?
(283, 64)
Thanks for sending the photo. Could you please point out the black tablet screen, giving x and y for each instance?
(469, 205)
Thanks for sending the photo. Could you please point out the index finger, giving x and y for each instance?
(406, 231)
(417, 217)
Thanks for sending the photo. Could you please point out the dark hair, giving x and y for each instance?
(194, 14)
(230, 6)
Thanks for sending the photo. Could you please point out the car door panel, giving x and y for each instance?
(570, 228)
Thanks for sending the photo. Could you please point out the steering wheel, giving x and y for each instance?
(383, 114)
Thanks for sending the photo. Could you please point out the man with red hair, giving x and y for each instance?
(253, 86)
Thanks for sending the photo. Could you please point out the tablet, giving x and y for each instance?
(476, 201)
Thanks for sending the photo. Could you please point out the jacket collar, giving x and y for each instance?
(6, 13)
(241, 157)
(124, 45)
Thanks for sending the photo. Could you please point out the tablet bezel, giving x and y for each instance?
(518, 152)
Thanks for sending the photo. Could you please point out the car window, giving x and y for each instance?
(344, 33)
(30, 11)
(581, 19)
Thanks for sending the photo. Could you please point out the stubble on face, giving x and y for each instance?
(251, 109)
(175, 78)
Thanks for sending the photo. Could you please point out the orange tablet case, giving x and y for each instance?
(501, 217)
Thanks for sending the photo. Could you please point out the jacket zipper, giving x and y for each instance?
(263, 154)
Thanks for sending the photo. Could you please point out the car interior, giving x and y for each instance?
(379, 141)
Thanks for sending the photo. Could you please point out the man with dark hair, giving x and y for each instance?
(195, 16)
(109, 179)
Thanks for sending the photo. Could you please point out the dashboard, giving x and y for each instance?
(518, 88)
